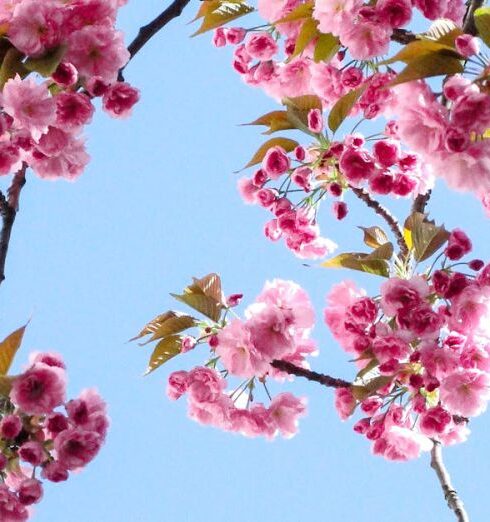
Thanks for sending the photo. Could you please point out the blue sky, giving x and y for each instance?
(92, 261)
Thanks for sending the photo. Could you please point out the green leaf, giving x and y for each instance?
(275, 120)
(308, 31)
(8, 349)
(48, 63)
(418, 48)
(164, 351)
(11, 66)
(482, 22)
(287, 144)
(343, 106)
(220, 12)
(428, 65)
(426, 238)
(374, 237)
(326, 48)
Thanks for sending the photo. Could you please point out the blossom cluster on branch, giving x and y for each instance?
(56, 57)
(37, 440)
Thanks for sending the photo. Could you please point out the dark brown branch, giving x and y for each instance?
(386, 215)
(453, 501)
(147, 32)
(8, 212)
(469, 18)
(324, 380)
(402, 36)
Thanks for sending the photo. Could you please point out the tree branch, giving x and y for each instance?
(148, 31)
(469, 18)
(453, 501)
(402, 36)
(8, 211)
(324, 380)
(386, 215)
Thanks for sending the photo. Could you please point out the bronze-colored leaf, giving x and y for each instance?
(362, 392)
(222, 12)
(275, 120)
(47, 64)
(9, 347)
(427, 66)
(11, 66)
(426, 238)
(418, 48)
(154, 324)
(443, 31)
(302, 11)
(326, 47)
(482, 22)
(172, 326)
(164, 351)
(287, 144)
(374, 237)
(343, 106)
(360, 262)
(307, 33)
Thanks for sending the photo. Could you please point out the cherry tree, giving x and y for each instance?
(415, 69)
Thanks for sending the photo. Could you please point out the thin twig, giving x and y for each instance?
(8, 211)
(148, 31)
(386, 215)
(450, 494)
(324, 380)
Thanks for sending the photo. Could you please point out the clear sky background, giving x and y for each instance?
(92, 261)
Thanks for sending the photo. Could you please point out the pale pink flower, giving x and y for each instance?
(466, 392)
(345, 402)
(54, 471)
(399, 293)
(32, 452)
(470, 311)
(261, 46)
(289, 295)
(237, 351)
(401, 444)
(204, 385)
(285, 410)
(334, 15)
(29, 104)
(89, 412)
(97, 51)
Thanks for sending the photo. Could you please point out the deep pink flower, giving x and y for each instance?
(76, 447)
(39, 389)
(30, 492)
(119, 99)
(10, 426)
(276, 162)
(32, 452)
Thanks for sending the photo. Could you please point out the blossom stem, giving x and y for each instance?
(450, 494)
(148, 31)
(469, 18)
(386, 215)
(8, 211)
(324, 380)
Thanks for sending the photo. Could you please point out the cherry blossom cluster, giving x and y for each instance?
(276, 328)
(327, 170)
(445, 127)
(423, 347)
(41, 120)
(38, 441)
(449, 136)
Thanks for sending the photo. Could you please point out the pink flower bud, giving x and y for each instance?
(467, 45)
